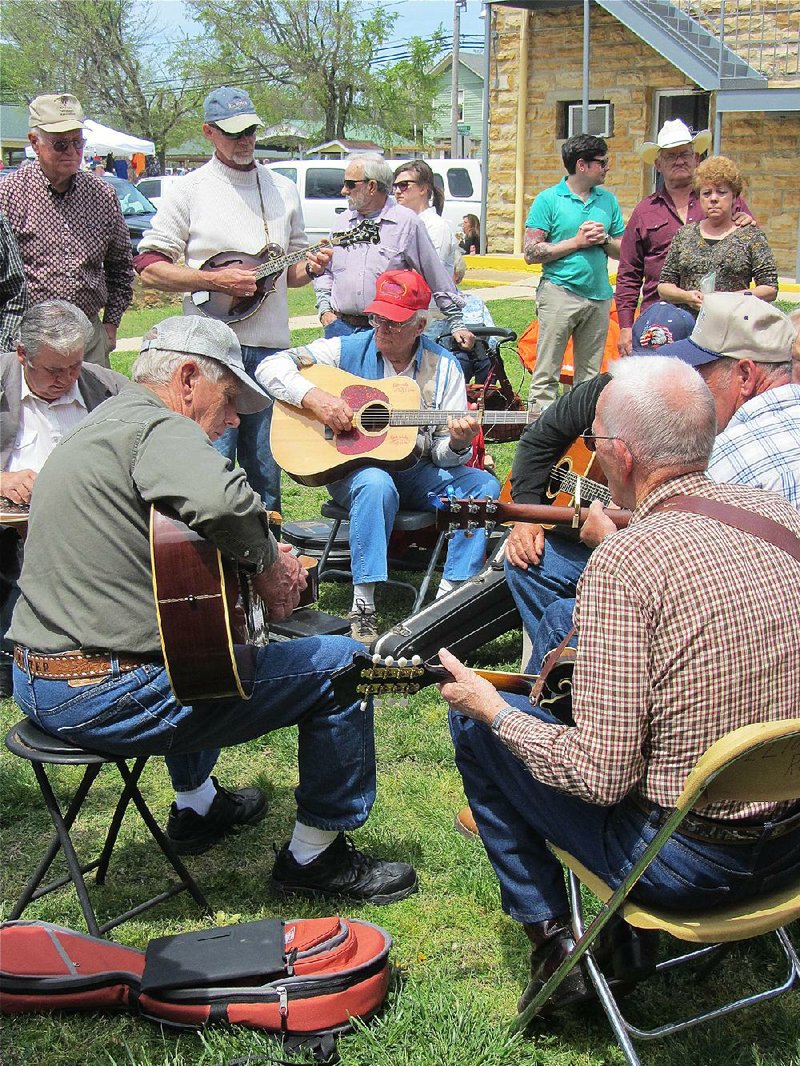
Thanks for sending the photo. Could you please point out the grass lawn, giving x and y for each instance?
(460, 963)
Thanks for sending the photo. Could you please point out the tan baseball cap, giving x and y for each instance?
(735, 325)
(56, 113)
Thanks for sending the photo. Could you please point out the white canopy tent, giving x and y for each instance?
(103, 139)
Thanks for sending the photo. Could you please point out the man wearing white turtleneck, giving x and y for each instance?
(232, 204)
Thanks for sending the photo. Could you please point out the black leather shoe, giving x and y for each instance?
(552, 944)
(630, 955)
(192, 834)
(343, 870)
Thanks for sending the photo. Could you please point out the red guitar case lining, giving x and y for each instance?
(340, 971)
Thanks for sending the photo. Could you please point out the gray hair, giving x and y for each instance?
(60, 325)
(662, 409)
(159, 366)
(772, 374)
(375, 169)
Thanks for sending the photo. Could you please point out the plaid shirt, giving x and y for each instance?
(13, 295)
(687, 630)
(761, 444)
(75, 245)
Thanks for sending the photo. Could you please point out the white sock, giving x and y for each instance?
(364, 597)
(197, 799)
(446, 585)
(307, 842)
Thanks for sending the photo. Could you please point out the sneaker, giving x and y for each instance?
(363, 624)
(191, 833)
(343, 870)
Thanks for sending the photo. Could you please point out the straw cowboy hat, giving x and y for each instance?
(673, 134)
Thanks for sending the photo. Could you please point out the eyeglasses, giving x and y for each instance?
(377, 322)
(401, 186)
(683, 156)
(64, 144)
(350, 183)
(604, 163)
(234, 136)
(590, 440)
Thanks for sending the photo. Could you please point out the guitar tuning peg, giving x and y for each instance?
(389, 660)
(402, 662)
(416, 660)
(363, 705)
(376, 658)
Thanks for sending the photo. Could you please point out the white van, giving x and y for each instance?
(320, 184)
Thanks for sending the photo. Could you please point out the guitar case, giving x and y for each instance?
(463, 620)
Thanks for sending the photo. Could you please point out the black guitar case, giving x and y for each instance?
(463, 620)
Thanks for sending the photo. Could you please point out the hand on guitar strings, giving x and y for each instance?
(316, 263)
(469, 694)
(598, 525)
(281, 584)
(462, 432)
(232, 280)
(329, 409)
(17, 486)
(525, 545)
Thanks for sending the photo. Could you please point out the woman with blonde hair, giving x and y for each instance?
(715, 255)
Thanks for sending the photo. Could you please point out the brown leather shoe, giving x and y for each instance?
(552, 942)
(465, 824)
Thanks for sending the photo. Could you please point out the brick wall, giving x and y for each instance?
(624, 71)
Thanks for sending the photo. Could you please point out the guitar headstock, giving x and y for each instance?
(470, 515)
(371, 675)
(366, 232)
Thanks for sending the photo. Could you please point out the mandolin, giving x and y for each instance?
(388, 416)
(268, 265)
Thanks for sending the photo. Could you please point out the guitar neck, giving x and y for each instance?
(543, 514)
(440, 418)
(283, 262)
(475, 514)
(401, 677)
(590, 490)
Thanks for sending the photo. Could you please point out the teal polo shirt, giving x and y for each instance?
(559, 213)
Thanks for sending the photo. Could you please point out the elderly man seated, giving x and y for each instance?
(88, 662)
(395, 345)
(45, 390)
(659, 677)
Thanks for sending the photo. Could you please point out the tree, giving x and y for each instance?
(103, 51)
(315, 59)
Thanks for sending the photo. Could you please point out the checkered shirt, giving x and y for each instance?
(13, 294)
(687, 630)
(761, 444)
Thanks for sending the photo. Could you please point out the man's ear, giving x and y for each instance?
(746, 378)
(187, 374)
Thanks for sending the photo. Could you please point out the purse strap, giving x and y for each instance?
(746, 521)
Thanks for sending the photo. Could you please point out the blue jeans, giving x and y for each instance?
(374, 497)
(337, 328)
(516, 814)
(135, 713)
(555, 624)
(537, 587)
(249, 444)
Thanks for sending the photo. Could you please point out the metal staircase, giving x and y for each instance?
(685, 43)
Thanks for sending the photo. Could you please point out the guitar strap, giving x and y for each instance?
(550, 661)
(263, 209)
(746, 521)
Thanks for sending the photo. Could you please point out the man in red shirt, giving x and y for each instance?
(657, 218)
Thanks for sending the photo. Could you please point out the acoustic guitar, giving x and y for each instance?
(13, 514)
(268, 265)
(576, 462)
(388, 415)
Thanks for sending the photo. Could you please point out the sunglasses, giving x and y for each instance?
(604, 163)
(235, 136)
(64, 144)
(350, 183)
(401, 186)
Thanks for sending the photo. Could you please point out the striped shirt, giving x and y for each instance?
(761, 444)
(687, 630)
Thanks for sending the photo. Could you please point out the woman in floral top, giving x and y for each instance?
(715, 255)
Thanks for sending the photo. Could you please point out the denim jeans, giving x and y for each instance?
(135, 713)
(338, 328)
(516, 814)
(537, 587)
(249, 444)
(555, 624)
(374, 496)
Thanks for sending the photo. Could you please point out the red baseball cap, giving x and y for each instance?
(399, 294)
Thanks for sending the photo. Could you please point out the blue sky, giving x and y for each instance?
(416, 18)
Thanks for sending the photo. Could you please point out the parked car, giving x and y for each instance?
(320, 185)
(154, 188)
(136, 208)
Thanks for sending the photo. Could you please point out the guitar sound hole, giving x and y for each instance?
(374, 418)
(558, 477)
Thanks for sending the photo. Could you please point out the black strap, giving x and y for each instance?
(321, 1047)
(738, 517)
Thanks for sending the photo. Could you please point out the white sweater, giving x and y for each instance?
(217, 209)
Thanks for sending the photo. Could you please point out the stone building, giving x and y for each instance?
(648, 61)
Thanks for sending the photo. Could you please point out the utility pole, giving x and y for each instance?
(457, 6)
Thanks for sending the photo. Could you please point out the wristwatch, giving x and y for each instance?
(499, 718)
(310, 273)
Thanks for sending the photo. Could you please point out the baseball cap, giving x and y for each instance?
(194, 335)
(399, 294)
(230, 109)
(735, 325)
(662, 323)
(55, 113)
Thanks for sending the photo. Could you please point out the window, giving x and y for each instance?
(460, 105)
(324, 184)
(601, 118)
(150, 187)
(288, 172)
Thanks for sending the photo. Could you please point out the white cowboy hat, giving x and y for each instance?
(673, 134)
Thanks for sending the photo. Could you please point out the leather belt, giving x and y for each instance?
(354, 320)
(710, 830)
(74, 664)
